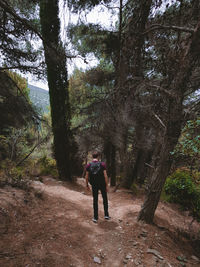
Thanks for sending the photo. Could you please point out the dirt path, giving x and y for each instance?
(55, 229)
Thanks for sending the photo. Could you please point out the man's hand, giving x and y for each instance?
(88, 188)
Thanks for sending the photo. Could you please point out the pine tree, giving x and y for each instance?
(55, 58)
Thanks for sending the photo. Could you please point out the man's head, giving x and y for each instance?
(95, 155)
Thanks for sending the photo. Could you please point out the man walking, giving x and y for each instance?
(97, 176)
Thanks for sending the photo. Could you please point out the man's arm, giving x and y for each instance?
(106, 179)
(86, 179)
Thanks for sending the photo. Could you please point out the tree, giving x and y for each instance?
(174, 85)
(55, 59)
(19, 26)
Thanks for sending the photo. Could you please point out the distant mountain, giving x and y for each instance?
(39, 97)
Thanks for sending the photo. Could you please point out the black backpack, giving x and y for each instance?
(96, 176)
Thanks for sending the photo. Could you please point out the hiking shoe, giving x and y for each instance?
(94, 220)
(107, 217)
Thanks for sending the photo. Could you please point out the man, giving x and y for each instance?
(97, 176)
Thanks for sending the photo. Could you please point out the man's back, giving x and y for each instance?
(96, 173)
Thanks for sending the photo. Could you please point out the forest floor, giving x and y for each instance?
(51, 226)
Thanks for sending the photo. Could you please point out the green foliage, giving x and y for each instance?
(93, 38)
(14, 176)
(21, 84)
(18, 48)
(134, 188)
(188, 146)
(15, 107)
(189, 143)
(181, 189)
(47, 166)
(77, 6)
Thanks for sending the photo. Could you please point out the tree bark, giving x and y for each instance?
(113, 166)
(110, 155)
(58, 86)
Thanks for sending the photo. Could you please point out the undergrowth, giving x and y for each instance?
(183, 188)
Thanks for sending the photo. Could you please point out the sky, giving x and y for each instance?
(100, 15)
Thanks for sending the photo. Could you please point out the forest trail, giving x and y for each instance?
(55, 229)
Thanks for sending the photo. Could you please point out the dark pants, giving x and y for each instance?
(95, 190)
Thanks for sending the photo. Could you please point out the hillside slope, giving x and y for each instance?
(55, 229)
(39, 97)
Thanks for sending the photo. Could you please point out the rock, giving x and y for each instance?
(155, 252)
(195, 258)
(97, 260)
(128, 257)
(102, 254)
(37, 182)
(165, 264)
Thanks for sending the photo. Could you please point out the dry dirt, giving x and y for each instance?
(51, 226)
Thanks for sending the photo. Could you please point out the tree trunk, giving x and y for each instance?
(58, 86)
(110, 155)
(107, 154)
(113, 166)
(156, 184)
(140, 169)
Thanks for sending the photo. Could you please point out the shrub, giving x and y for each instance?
(48, 166)
(14, 176)
(181, 189)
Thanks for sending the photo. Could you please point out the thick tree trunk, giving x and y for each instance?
(58, 86)
(107, 154)
(156, 184)
(110, 155)
(140, 170)
(113, 166)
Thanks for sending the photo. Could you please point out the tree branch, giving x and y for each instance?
(175, 28)
(32, 150)
(18, 67)
(25, 22)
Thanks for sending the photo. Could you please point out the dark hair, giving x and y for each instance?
(95, 155)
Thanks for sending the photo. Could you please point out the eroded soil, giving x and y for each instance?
(51, 226)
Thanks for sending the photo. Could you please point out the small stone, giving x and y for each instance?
(155, 252)
(144, 234)
(97, 260)
(125, 261)
(128, 257)
(194, 258)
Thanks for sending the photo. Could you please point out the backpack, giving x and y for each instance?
(96, 176)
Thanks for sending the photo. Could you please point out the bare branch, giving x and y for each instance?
(18, 67)
(159, 119)
(40, 142)
(168, 93)
(175, 28)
